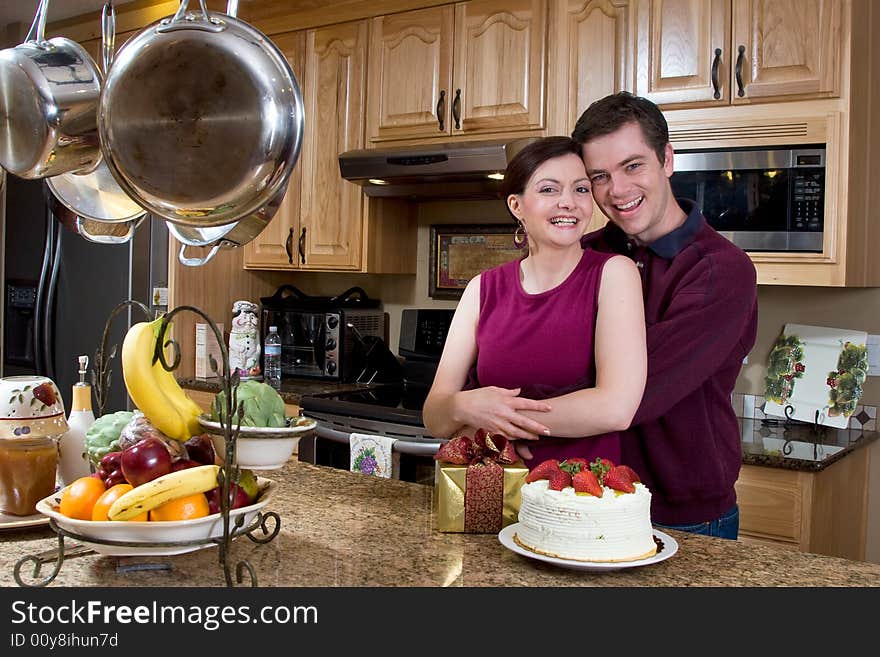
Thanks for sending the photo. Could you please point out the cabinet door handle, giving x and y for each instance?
(302, 246)
(740, 90)
(456, 109)
(716, 62)
(288, 246)
(441, 108)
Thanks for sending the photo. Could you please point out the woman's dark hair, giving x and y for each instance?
(610, 113)
(526, 161)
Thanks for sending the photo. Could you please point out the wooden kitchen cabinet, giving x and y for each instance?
(324, 222)
(823, 512)
(473, 68)
(720, 52)
(319, 225)
(590, 57)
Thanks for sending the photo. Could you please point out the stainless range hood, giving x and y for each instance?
(441, 171)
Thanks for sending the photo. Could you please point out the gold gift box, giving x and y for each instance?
(449, 494)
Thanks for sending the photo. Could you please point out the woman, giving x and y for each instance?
(536, 343)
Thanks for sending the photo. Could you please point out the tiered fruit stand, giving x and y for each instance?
(269, 523)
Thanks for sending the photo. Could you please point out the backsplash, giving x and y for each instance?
(752, 407)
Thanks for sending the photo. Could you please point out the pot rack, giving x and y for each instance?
(269, 523)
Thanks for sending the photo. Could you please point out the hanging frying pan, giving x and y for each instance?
(96, 196)
(200, 118)
(49, 93)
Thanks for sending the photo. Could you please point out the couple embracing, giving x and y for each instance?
(623, 343)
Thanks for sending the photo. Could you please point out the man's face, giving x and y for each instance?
(630, 185)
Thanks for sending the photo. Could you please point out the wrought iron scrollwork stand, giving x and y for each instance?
(815, 428)
(230, 423)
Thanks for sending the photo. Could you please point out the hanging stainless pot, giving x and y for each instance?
(200, 118)
(100, 232)
(49, 93)
(227, 236)
(96, 195)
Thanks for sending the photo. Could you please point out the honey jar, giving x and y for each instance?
(27, 473)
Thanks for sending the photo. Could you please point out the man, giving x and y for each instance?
(701, 314)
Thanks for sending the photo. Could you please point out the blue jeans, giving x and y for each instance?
(727, 526)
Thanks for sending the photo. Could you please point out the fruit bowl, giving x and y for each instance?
(153, 538)
(261, 448)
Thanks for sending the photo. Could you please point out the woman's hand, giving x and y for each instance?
(497, 410)
(523, 450)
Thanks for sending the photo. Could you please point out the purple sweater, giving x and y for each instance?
(701, 314)
(543, 343)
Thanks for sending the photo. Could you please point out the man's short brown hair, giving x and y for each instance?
(610, 113)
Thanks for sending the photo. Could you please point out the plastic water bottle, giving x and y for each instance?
(272, 354)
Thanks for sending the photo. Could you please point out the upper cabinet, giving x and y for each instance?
(331, 208)
(590, 56)
(325, 223)
(473, 68)
(721, 52)
(276, 246)
(318, 225)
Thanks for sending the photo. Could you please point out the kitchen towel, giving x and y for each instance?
(372, 455)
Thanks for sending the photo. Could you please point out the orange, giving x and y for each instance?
(183, 508)
(78, 499)
(102, 506)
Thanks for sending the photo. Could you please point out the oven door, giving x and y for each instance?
(303, 342)
(413, 452)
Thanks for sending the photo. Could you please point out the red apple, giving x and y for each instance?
(183, 464)
(239, 498)
(144, 461)
(200, 448)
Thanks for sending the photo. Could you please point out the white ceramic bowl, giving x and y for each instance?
(260, 448)
(153, 538)
(30, 407)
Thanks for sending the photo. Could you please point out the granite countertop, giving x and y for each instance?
(344, 529)
(799, 446)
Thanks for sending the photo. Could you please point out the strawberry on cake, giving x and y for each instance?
(599, 512)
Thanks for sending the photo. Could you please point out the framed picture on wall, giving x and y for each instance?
(460, 252)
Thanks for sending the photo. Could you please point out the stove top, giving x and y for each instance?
(398, 403)
(390, 408)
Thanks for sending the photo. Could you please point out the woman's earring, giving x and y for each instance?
(519, 236)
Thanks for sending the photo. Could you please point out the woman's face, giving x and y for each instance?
(556, 206)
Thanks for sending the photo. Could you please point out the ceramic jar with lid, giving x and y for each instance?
(31, 420)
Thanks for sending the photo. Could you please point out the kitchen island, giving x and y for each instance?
(344, 529)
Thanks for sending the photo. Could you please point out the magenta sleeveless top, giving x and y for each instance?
(543, 343)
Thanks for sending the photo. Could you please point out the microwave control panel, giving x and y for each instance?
(808, 201)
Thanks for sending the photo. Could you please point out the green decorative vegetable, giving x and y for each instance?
(103, 436)
(263, 406)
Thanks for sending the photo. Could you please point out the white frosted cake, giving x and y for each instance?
(583, 527)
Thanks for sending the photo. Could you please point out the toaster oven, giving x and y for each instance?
(323, 337)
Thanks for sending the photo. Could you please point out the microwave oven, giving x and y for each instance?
(761, 199)
(325, 338)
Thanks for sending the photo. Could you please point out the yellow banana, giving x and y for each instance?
(142, 384)
(188, 410)
(160, 490)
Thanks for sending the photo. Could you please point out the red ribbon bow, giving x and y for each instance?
(482, 448)
(484, 455)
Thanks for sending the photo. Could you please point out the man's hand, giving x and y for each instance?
(498, 410)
